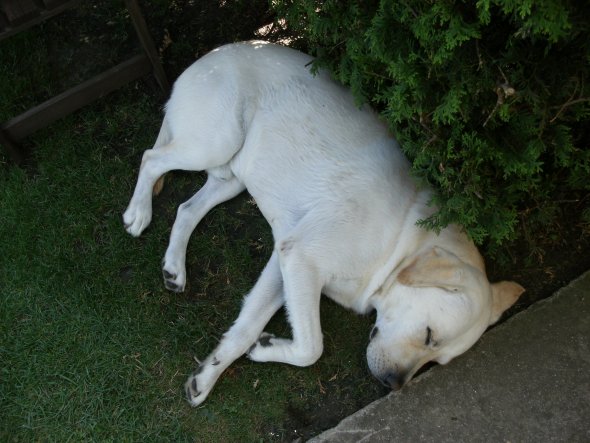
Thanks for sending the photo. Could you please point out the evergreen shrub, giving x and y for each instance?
(489, 100)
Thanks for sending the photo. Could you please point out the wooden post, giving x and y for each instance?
(147, 43)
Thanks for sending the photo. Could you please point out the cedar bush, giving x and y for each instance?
(488, 99)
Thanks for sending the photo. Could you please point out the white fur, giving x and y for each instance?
(334, 186)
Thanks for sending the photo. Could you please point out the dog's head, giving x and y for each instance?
(434, 309)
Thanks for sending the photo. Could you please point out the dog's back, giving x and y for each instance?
(260, 111)
(215, 95)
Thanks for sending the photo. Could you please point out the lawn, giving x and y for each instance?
(92, 346)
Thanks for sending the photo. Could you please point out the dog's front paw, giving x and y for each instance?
(174, 276)
(196, 391)
(136, 219)
(200, 383)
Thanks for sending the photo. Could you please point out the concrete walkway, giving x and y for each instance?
(527, 380)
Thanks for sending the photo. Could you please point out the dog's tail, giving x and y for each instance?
(164, 137)
(159, 185)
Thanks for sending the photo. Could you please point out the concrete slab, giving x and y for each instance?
(527, 380)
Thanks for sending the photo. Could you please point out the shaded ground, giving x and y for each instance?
(184, 30)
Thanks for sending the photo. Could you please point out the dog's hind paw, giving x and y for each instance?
(174, 277)
(136, 220)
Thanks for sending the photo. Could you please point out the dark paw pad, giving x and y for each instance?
(168, 275)
(192, 390)
(264, 341)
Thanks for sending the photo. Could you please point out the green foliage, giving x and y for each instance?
(488, 99)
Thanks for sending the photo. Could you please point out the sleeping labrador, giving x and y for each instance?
(335, 188)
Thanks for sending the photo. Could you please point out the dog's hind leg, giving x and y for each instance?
(164, 137)
(221, 186)
(259, 306)
(194, 155)
(154, 163)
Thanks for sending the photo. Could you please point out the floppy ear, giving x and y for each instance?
(434, 268)
(504, 294)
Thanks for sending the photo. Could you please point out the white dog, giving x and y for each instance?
(335, 188)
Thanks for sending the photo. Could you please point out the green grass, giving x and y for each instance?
(92, 347)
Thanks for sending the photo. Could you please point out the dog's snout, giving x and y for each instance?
(393, 380)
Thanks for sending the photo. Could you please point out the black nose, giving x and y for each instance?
(393, 380)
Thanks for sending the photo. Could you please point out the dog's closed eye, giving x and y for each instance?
(429, 340)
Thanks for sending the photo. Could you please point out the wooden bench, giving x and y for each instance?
(18, 15)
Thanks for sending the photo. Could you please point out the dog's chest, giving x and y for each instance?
(348, 292)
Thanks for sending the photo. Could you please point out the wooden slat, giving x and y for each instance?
(46, 113)
(10, 28)
(19, 11)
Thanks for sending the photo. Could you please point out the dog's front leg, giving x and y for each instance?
(259, 306)
(302, 289)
